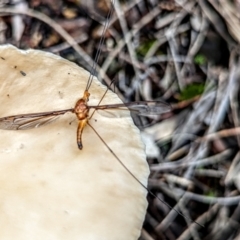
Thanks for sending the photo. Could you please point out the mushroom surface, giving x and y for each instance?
(49, 189)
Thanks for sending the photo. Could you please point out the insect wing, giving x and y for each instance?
(142, 108)
(149, 108)
(31, 120)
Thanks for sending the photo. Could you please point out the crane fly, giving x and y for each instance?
(81, 109)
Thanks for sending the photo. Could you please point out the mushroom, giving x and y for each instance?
(49, 188)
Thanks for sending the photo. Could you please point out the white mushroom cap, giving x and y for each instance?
(49, 188)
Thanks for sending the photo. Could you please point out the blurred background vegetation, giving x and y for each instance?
(183, 52)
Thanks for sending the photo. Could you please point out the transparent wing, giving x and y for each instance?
(31, 120)
(149, 108)
(142, 108)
